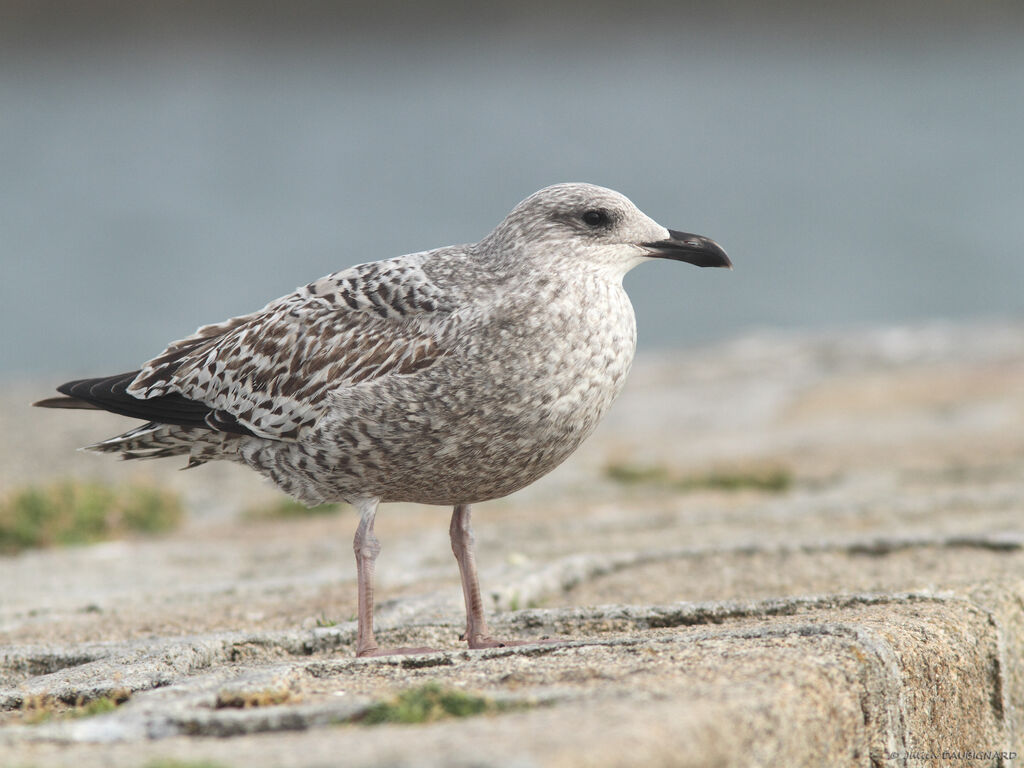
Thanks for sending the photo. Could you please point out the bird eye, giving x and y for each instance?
(595, 218)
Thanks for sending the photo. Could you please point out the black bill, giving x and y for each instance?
(693, 249)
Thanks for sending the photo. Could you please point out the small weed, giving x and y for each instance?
(287, 509)
(268, 697)
(770, 479)
(81, 513)
(97, 707)
(515, 603)
(425, 704)
(322, 621)
(39, 709)
(632, 474)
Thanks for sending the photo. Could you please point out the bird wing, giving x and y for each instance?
(270, 372)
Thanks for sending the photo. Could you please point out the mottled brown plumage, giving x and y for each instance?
(444, 377)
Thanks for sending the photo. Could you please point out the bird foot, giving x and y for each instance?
(403, 651)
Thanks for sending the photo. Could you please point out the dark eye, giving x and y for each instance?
(595, 218)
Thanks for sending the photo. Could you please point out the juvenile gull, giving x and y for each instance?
(448, 377)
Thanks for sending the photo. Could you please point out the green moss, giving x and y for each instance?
(80, 513)
(770, 479)
(287, 509)
(97, 707)
(39, 709)
(632, 474)
(427, 703)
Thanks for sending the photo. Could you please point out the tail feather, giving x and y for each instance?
(175, 425)
(158, 441)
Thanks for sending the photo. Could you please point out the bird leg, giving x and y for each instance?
(477, 634)
(367, 547)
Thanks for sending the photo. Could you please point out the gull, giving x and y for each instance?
(446, 377)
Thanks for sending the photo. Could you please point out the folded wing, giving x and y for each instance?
(269, 373)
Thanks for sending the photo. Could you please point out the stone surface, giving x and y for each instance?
(870, 614)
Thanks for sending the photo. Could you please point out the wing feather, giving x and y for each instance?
(271, 371)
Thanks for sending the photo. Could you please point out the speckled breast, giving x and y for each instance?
(506, 407)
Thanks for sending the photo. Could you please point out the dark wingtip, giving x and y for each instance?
(65, 402)
(109, 393)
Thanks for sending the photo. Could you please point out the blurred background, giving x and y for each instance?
(167, 164)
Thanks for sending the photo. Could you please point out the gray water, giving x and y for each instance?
(150, 185)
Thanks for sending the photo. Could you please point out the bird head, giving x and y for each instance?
(583, 225)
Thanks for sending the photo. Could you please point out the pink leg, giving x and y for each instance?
(477, 634)
(367, 547)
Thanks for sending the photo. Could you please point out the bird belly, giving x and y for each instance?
(482, 424)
